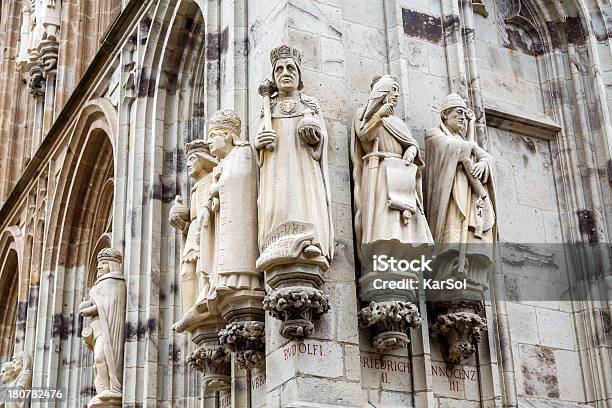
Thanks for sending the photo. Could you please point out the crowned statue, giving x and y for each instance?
(105, 306)
(294, 192)
(233, 204)
(198, 235)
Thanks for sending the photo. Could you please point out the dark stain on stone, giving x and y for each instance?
(180, 161)
(88, 391)
(174, 353)
(22, 311)
(586, 224)
(33, 296)
(224, 43)
(451, 24)
(151, 325)
(164, 188)
(146, 84)
(141, 330)
(79, 324)
(609, 168)
(56, 326)
(212, 46)
(130, 331)
(145, 25)
(572, 27)
(169, 158)
(420, 25)
(525, 160)
(520, 40)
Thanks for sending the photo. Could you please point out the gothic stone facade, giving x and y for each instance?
(99, 97)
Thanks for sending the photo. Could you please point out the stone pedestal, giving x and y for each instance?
(296, 299)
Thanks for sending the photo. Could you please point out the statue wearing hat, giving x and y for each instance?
(233, 200)
(386, 169)
(198, 243)
(294, 194)
(460, 189)
(104, 335)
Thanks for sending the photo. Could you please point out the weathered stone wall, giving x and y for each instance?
(538, 74)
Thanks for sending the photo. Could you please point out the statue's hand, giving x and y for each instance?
(84, 305)
(478, 169)
(264, 138)
(409, 157)
(385, 110)
(471, 117)
(177, 222)
(205, 217)
(310, 134)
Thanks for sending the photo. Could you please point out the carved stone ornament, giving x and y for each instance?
(17, 373)
(247, 339)
(296, 307)
(105, 306)
(459, 331)
(214, 362)
(391, 321)
(36, 81)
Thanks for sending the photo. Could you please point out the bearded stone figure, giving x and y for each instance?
(294, 194)
(17, 373)
(198, 243)
(105, 333)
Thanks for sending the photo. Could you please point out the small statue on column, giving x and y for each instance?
(105, 333)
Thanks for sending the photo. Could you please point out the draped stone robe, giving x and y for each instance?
(236, 222)
(108, 294)
(393, 178)
(448, 189)
(294, 179)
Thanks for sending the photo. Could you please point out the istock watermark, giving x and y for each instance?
(385, 263)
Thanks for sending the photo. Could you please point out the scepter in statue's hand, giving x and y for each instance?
(266, 136)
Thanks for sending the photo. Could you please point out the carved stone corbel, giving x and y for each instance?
(391, 321)
(214, 363)
(247, 339)
(37, 79)
(459, 329)
(49, 50)
(296, 307)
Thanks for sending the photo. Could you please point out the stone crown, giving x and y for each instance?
(225, 119)
(110, 254)
(284, 51)
(197, 145)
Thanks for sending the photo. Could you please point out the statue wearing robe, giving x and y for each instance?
(105, 334)
(17, 373)
(294, 177)
(460, 193)
(388, 194)
(198, 250)
(233, 199)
